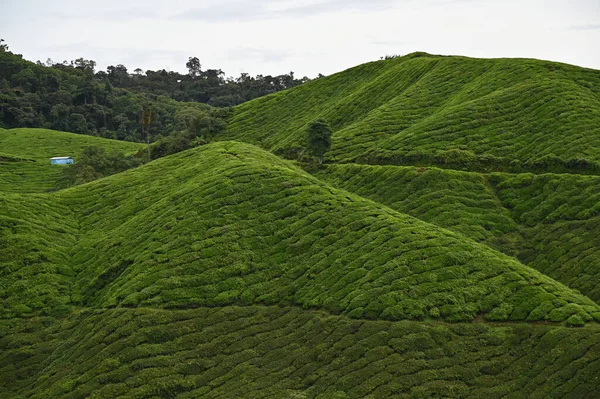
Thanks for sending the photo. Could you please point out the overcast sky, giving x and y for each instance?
(304, 36)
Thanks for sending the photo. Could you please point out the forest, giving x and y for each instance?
(73, 96)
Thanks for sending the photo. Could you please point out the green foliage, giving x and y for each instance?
(258, 351)
(35, 147)
(230, 224)
(559, 217)
(74, 97)
(461, 201)
(94, 163)
(172, 144)
(224, 271)
(511, 115)
(550, 222)
(196, 127)
(318, 138)
(35, 272)
(204, 125)
(78, 124)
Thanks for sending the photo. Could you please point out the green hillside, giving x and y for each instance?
(35, 236)
(551, 222)
(224, 271)
(283, 352)
(464, 202)
(25, 156)
(480, 114)
(447, 248)
(559, 217)
(230, 224)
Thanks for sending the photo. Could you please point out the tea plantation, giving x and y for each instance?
(25, 156)
(513, 115)
(448, 247)
(224, 271)
(286, 352)
(550, 222)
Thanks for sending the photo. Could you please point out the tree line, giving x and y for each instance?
(169, 111)
(208, 86)
(95, 162)
(139, 106)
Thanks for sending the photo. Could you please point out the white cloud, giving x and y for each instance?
(307, 37)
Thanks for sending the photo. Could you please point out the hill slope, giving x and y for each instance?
(229, 224)
(282, 352)
(550, 222)
(224, 271)
(498, 114)
(460, 201)
(559, 217)
(476, 115)
(25, 156)
(35, 236)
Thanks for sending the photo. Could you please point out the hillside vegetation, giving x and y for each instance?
(480, 116)
(269, 233)
(35, 236)
(283, 352)
(224, 271)
(488, 115)
(559, 217)
(460, 201)
(25, 157)
(550, 222)
(230, 224)
(75, 97)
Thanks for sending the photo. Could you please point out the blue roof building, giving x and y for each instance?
(62, 161)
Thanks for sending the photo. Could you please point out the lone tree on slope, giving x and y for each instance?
(318, 138)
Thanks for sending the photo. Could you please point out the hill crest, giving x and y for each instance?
(513, 115)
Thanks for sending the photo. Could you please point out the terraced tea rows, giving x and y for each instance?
(503, 114)
(560, 219)
(274, 352)
(229, 224)
(268, 352)
(35, 272)
(460, 201)
(224, 271)
(550, 222)
(25, 157)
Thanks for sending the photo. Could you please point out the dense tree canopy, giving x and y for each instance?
(74, 97)
(94, 163)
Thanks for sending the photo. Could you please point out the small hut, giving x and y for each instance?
(61, 161)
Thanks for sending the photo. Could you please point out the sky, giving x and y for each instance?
(308, 37)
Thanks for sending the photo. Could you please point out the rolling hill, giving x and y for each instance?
(25, 156)
(448, 248)
(286, 352)
(224, 271)
(515, 115)
(475, 118)
(231, 224)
